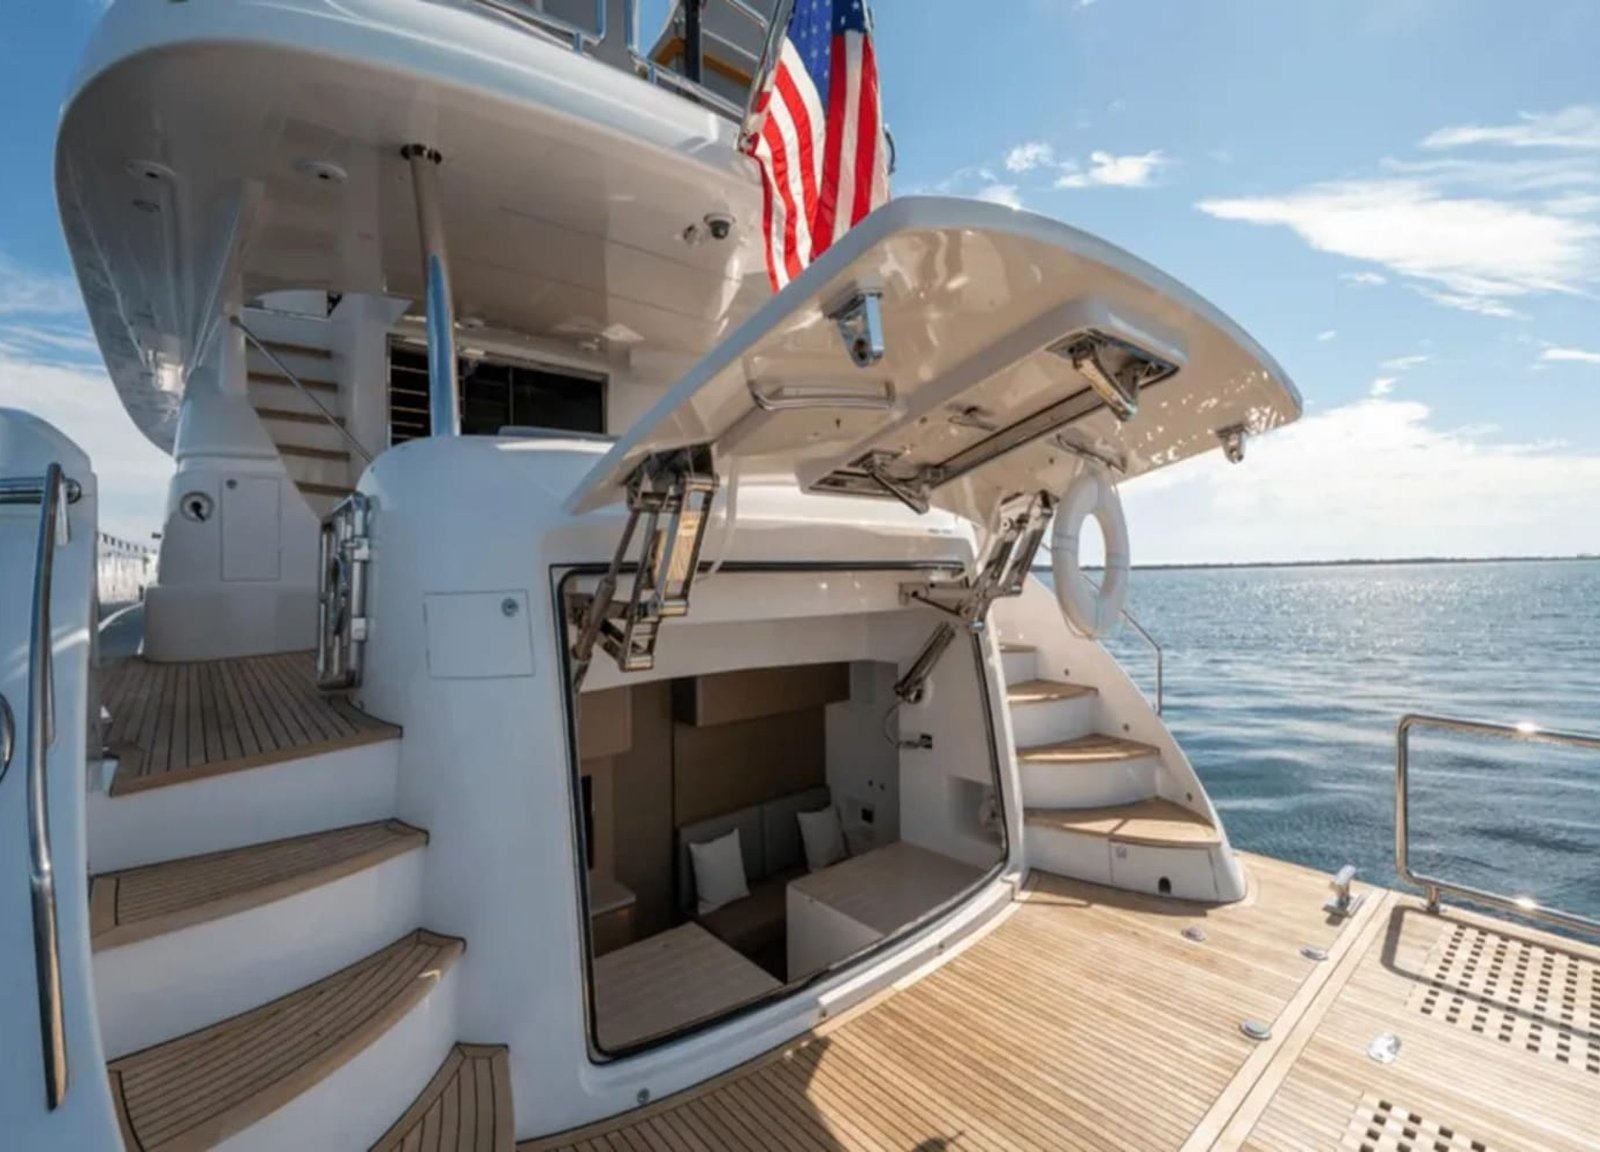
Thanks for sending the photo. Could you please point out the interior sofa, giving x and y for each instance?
(769, 837)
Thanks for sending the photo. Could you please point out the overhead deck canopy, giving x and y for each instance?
(1007, 341)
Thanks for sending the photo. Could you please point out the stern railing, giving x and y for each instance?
(1433, 886)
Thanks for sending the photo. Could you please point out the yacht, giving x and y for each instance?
(588, 700)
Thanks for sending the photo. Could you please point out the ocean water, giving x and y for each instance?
(1284, 687)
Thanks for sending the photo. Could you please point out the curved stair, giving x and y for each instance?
(276, 993)
(198, 1090)
(1093, 804)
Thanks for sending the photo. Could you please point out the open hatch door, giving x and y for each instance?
(958, 354)
(946, 353)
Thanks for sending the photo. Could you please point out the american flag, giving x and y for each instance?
(819, 135)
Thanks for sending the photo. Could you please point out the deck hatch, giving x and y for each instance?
(1530, 996)
(1380, 1125)
(979, 336)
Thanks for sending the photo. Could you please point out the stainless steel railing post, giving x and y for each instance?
(443, 390)
(41, 734)
(1432, 886)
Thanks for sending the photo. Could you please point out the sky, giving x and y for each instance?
(1400, 199)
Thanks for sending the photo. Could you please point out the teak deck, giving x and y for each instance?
(1086, 1020)
(176, 722)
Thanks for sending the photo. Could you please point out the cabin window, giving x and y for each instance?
(496, 393)
(750, 830)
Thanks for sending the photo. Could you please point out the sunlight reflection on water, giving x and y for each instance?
(1284, 687)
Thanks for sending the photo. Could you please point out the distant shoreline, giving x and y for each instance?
(1361, 563)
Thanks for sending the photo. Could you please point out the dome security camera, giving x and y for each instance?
(719, 224)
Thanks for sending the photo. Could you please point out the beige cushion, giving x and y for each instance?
(718, 872)
(823, 837)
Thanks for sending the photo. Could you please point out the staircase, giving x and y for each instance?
(317, 456)
(1094, 808)
(263, 975)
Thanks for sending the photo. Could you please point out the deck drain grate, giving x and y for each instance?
(1539, 999)
(1380, 1125)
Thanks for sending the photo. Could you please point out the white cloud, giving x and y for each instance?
(1006, 194)
(1382, 386)
(1576, 128)
(23, 292)
(1378, 478)
(1405, 363)
(1488, 215)
(1107, 170)
(1469, 249)
(1033, 154)
(1482, 305)
(81, 402)
(1364, 279)
(1326, 336)
(1568, 356)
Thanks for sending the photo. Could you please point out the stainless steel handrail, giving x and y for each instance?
(41, 734)
(1432, 886)
(1155, 646)
(580, 37)
(8, 736)
(333, 421)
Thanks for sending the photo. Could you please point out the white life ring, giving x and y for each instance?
(1091, 613)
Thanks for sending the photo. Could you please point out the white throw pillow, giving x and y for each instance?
(718, 872)
(823, 837)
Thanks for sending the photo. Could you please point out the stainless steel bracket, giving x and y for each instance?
(860, 323)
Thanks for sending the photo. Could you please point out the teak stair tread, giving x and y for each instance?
(171, 723)
(466, 1107)
(138, 903)
(1016, 646)
(277, 379)
(195, 1091)
(287, 348)
(1043, 691)
(287, 415)
(309, 453)
(1091, 749)
(323, 489)
(1156, 822)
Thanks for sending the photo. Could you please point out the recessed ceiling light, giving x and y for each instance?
(323, 171)
(151, 170)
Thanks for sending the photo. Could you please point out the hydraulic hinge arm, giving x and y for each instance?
(669, 504)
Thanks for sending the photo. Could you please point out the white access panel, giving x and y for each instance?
(478, 635)
(252, 528)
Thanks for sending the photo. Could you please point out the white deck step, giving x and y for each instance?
(1092, 771)
(184, 944)
(1021, 662)
(330, 1065)
(1047, 711)
(1152, 846)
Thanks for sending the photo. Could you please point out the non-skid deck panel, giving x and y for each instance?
(1484, 1012)
(175, 722)
(197, 1090)
(1091, 749)
(1155, 822)
(1085, 1021)
(466, 1107)
(142, 902)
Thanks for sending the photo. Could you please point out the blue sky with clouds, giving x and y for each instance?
(1399, 198)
